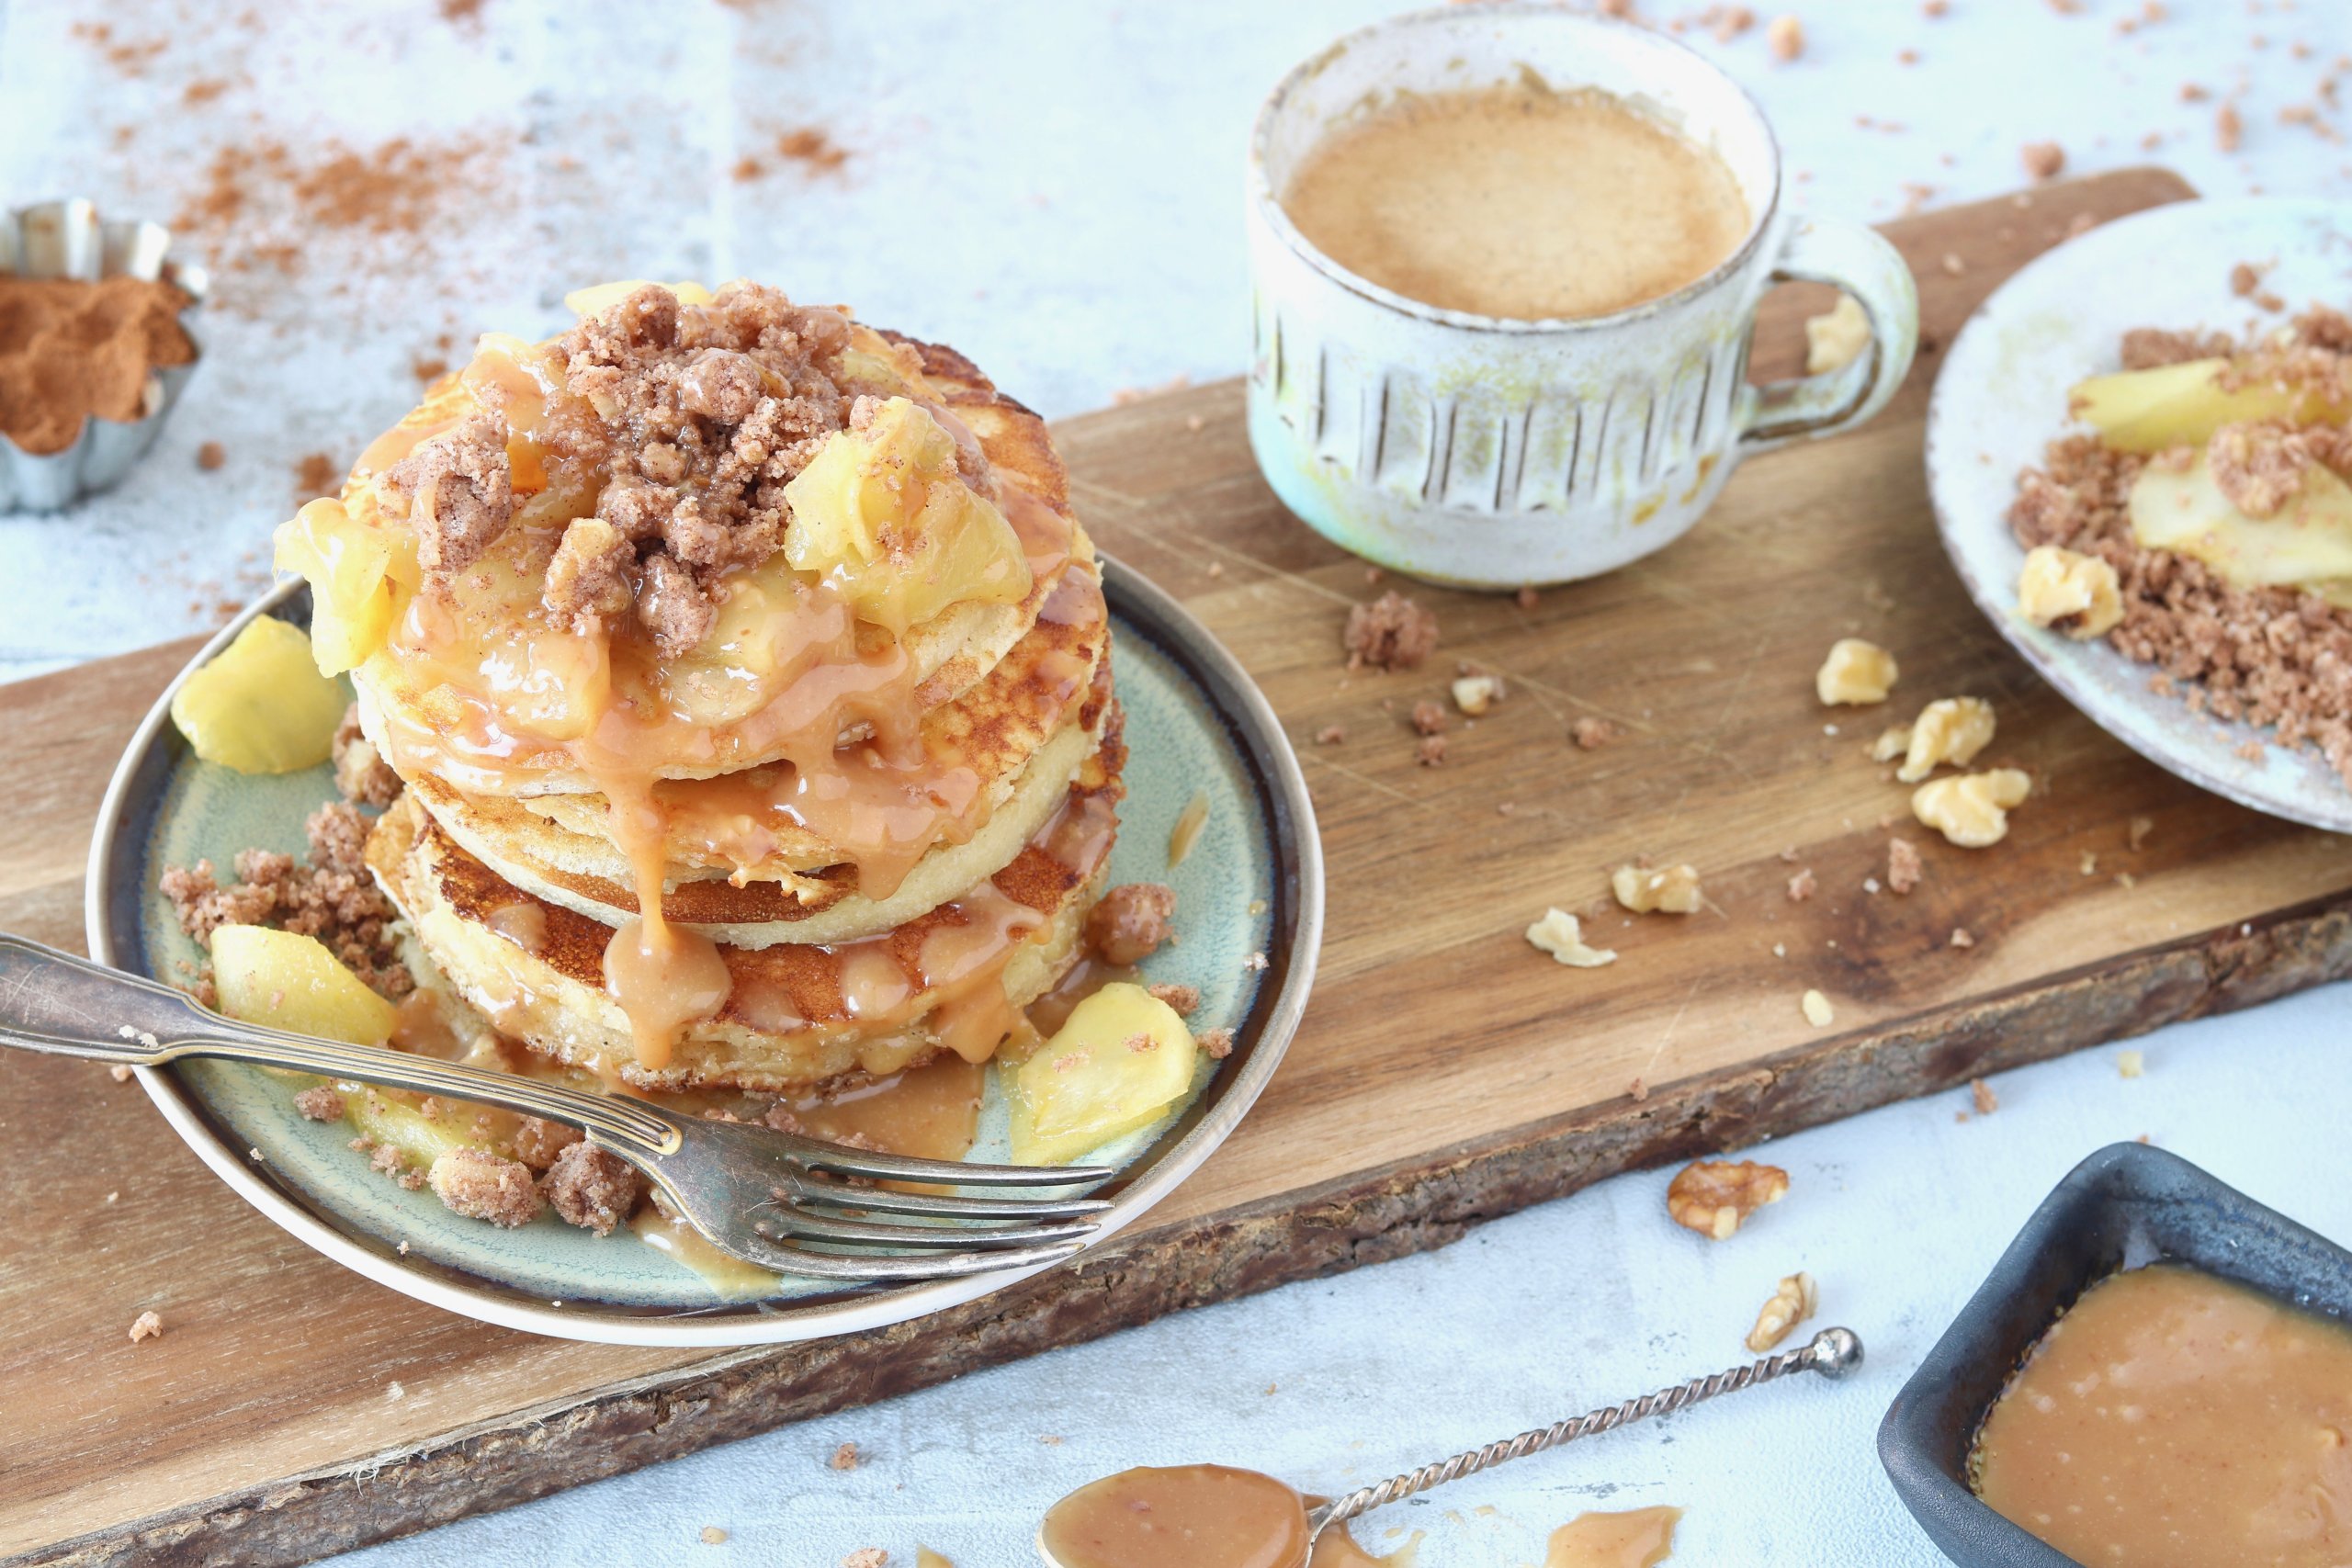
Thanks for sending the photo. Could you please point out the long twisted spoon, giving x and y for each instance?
(1139, 1530)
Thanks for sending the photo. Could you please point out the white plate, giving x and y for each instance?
(2002, 397)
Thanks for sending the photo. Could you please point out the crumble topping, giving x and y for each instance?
(1128, 924)
(333, 898)
(591, 1187)
(321, 1102)
(480, 1186)
(684, 421)
(1390, 633)
(146, 1326)
(538, 1142)
(1183, 1000)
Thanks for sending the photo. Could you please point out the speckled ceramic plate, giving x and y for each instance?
(1252, 883)
(2002, 396)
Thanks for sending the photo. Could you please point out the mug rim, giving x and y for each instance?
(1267, 204)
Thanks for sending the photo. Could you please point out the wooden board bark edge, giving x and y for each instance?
(1409, 1207)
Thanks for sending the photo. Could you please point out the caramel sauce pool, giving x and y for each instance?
(1189, 1516)
(1637, 1537)
(2175, 1419)
(1518, 201)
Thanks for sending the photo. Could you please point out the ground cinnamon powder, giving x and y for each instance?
(69, 349)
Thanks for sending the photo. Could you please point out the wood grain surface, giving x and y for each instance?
(1447, 1073)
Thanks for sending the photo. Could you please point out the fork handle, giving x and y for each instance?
(64, 1006)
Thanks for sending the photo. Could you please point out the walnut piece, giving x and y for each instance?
(1559, 934)
(1950, 729)
(1791, 1304)
(1855, 673)
(1473, 695)
(1836, 338)
(1673, 890)
(1713, 1196)
(2079, 594)
(1972, 810)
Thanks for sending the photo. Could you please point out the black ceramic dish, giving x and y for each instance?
(2125, 1206)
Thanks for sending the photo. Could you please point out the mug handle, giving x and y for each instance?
(1862, 262)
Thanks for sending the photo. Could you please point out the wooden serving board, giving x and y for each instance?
(1446, 1073)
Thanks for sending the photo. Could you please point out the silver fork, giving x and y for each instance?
(750, 1190)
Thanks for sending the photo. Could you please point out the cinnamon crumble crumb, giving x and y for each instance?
(845, 1457)
(1128, 924)
(1428, 718)
(1981, 1095)
(1390, 633)
(480, 1186)
(1183, 1000)
(1216, 1043)
(1591, 734)
(1430, 751)
(591, 1187)
(2043, 160)
(320, 1103)
(333, 898)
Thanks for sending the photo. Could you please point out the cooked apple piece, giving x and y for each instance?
(349, 566)
(389, 1120)
(2307, 544)
(2176, 405)
(882, 513)
(261, 706)
(284, 981)
(735, 671)
(1120, 1059)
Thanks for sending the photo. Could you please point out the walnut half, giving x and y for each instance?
(2079, 594)
(1855, 673)
(1791, 1304)
(1713, 1196)
(1674, 890)
(1972, 810)
(1950, 729)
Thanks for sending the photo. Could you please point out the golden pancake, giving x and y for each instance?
(796, 1014)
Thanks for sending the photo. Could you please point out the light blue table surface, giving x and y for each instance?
(1055, 189)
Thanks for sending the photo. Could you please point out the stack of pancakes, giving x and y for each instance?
(846, 884)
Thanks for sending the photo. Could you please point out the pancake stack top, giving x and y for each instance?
(749, 679)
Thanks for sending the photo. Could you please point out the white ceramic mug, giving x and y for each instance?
(1496, 453)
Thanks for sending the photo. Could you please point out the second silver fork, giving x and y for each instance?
(766, 1196)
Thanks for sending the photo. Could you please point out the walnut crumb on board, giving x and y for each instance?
(1903, 867)
(1475, 694)
(1972, 810)
(2130, 1063)
(1673, 890)
(1560, 934)
(1855, 673)
(146, 1326)
(1715, 1197)
(845, 1457)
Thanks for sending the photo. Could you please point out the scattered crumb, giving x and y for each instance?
(1981, 1095)
(1592, 733)
(146, 1326)
(1959, 937)
(2129, 1063)
(1638, 1090)
(120, 1073)
(320, 1103)
(480, 1186)
(1050, 1441)
(1390, 633)
(1952, 265)
(2089, 865)
(1130, 922)
(1903, 867)
(1428, 718)
(1528, 599)
(393, 1390)
(1803, 885)
(867, 1557)
(1184, 999)
(1216, 1043)
(1560, 934)
(2043, 160)
(2227, 128)
(1331, 735)
(713, 1536)
(1785, 37)
(1255, 963)
(1818, 1010)
(2138, 832)
(211, 455)
(845, 1457)
(1430, 752)
(1475, 694)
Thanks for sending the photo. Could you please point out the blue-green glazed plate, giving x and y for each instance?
(1252, 883)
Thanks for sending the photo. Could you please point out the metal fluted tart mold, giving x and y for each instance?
(67, 239)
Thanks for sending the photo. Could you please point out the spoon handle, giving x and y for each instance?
(1833, 1352)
